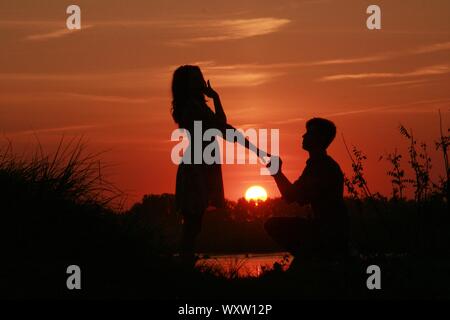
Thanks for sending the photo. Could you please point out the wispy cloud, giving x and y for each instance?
(291, 120)
(238, 79)
(435, 47)
(256, 74)
(435, 103)
(29, 23)
(228, 29)
(245, 28)
(54, 76)
(235, 75)
(54, 129)
(426, 71)
(55, 34)
(399, 83)
(142, 77)
(431, 48)
(194, 31)
(108, 98)
(402, 107)
(124, 79)
(32, 97)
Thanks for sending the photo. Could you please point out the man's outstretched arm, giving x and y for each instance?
(285, 186)
(299, 191)
(287, 189)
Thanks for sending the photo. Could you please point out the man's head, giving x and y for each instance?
(319, 134)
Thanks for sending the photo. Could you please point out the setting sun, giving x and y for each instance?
(256, 193)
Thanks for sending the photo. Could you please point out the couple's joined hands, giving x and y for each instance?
(267, 159)
(270, 166)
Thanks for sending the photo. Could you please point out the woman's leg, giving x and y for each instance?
(192, 224)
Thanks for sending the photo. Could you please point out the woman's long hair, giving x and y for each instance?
(182, 92)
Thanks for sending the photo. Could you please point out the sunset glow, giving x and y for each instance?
(274, 64)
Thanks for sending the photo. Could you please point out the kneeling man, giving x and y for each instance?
(320, 185)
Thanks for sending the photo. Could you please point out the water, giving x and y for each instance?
(242, 265)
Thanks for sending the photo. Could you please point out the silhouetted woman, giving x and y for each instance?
(198, 186)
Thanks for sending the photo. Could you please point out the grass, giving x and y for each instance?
(70, 174)
(233, 269)
(59, 210)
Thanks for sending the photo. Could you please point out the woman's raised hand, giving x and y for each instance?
(210, 92)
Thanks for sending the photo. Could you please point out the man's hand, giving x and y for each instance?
(210, 92)
(264, 156)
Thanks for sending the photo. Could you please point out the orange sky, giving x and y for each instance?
(274, 63)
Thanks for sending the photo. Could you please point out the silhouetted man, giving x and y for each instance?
(321, 185)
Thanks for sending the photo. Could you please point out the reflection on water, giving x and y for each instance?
(242, 265)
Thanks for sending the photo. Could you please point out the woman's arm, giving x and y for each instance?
(211, 93)
(241, 139)
(220, 114)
